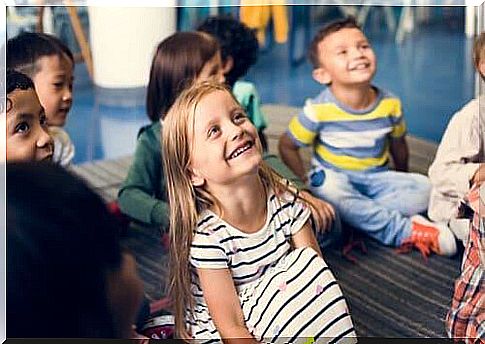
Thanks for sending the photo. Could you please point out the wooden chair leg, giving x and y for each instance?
(80, 37)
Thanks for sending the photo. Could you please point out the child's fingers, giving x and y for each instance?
(330, 210)
(325, 219)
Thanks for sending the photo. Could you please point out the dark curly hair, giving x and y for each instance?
(237, 41)
(16, 80)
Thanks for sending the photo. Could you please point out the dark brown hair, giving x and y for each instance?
(346, 23)
(25, 50)
(177, 62)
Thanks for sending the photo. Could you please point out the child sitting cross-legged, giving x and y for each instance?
(245, 262)
(353, 126)
(27, 137)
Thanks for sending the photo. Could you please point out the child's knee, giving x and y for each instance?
(423, 183)
(328, 184)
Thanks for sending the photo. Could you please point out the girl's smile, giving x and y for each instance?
(225, 143)
(241, 149)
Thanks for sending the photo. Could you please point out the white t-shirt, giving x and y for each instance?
(63, 148)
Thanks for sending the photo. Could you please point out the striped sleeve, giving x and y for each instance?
(206, 252)
(299, 214)
(305, 127)
(399, 125)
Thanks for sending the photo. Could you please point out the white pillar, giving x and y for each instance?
(470, 23)
(123, 41)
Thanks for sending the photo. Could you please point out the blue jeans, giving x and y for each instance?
(377, 203)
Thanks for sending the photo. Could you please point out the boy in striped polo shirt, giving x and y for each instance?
(353, 127)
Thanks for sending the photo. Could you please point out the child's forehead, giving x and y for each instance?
(24, 100)
(54, 63)
(342, 37)
(218, 98)
(214, 104)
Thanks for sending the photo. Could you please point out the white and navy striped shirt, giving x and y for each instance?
(218, 245)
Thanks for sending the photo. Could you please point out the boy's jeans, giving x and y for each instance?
(377, 203)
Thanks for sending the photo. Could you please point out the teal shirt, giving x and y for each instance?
(246, 94)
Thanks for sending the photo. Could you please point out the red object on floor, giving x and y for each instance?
(114, 209)
(353, 240)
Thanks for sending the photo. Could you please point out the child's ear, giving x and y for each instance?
(321, 76)
(196, 179)
(227, 65)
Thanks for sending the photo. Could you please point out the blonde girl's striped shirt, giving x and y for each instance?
(218, 245)
(257, 262)
(346, 139)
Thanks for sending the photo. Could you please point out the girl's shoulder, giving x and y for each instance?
(208, 224)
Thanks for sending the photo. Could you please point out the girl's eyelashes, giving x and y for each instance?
(239, 116)
(212, 131)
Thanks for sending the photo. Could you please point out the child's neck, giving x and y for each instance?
(244, 204)
(355, 97)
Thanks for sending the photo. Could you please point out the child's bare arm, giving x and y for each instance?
(291, 157)
(400, 153)
(305, 238)
(224, 307)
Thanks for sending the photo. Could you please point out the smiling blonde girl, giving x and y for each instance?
(245, 262)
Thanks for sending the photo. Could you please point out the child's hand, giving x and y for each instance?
(479, 176)
(323, 213)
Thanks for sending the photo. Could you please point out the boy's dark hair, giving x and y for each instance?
(24, 51)
(237, 41)
(479, 50)
(177, 62)
(17, 81)
(313, 51)
(57, 261)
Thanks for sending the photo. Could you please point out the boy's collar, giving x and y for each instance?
(346, 108)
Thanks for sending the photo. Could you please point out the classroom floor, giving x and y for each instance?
(431, 71)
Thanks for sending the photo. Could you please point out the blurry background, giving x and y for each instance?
(424, 57)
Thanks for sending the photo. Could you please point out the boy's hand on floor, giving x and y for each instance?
(322, 212)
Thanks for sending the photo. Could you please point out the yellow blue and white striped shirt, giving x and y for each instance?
(345, 139)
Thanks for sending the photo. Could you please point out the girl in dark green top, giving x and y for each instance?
(179, 60)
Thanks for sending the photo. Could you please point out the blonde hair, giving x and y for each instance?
(186, 201)
(479, 51)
